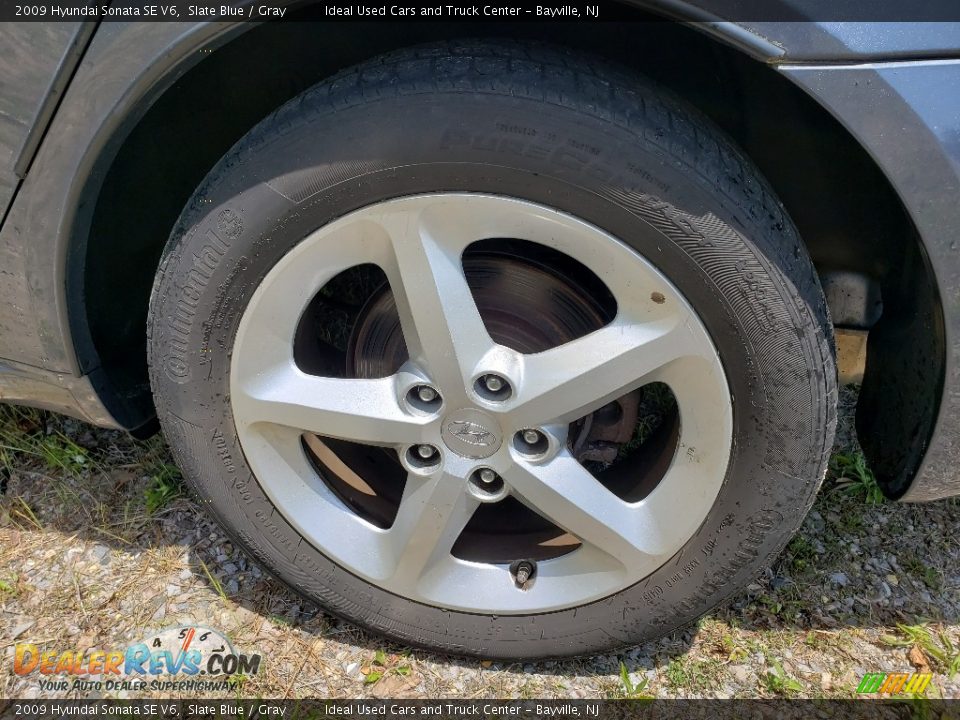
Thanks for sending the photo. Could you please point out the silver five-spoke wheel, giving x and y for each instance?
(473, 421)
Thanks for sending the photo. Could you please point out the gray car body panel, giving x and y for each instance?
(47, 360)
(807, 42)
(907, 115)
(30, 54)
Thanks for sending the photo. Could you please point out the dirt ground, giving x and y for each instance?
(100, 547)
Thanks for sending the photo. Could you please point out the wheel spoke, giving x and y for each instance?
(564, 492)
(442, 327)
(567, 382)
(432, 514)
(364, 411)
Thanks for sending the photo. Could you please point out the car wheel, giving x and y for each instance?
(495, 349)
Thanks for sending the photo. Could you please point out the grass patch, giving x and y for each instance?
(236, 683)
(778, 682)
(384, 665)
(657, 403)
(9, 588)
(921, 570)
(217, 586)
(800, 554)
(23, 435)
(818, 640)
(166, 485)
(61, 453)
(732, 650)
(24, 512)
(852, 476)
(695, 675)
(935, 645)
(633, 690)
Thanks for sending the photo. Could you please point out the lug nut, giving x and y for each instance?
(423, 459)
(424, 398)
(493, 383)
(531, 443)
(426, 393)
(493, 387)
(486, 486)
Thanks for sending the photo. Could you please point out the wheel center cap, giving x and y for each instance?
(471, 433)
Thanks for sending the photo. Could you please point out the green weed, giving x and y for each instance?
(920, 569)
(779, 682)
(695, 675)
(853, 476)
(936, 645)
(22, 434)
(165, 486)
(8, 587)
(800, 554)
(217, 586)
(386, 665)
(657, 403)
(633, 690)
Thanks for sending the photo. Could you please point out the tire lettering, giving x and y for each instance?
(205, 262)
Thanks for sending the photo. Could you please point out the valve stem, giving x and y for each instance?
(523, 572)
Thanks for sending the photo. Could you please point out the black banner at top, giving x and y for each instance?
(743, 11)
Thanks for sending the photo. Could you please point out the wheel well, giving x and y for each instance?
(849, 216)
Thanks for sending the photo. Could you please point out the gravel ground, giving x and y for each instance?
(99, 547)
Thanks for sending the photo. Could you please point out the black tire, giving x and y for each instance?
(550, 127)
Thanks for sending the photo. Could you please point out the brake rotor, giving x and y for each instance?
(527, 306)
(524, 305)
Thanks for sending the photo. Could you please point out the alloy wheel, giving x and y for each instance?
(475, 423)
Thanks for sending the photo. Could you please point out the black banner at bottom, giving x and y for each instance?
(480, 709)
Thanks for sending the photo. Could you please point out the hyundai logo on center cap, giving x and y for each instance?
(471, 433)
